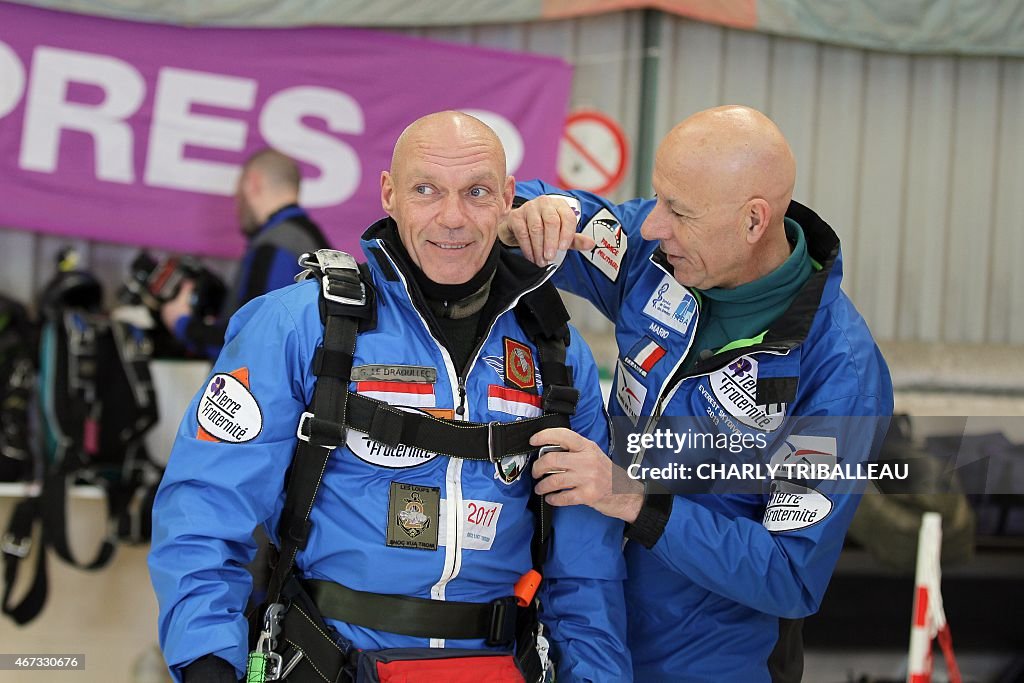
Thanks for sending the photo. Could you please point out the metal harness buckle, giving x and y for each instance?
(494, 451)
(10, 545)
(322, 263)
(303, 434)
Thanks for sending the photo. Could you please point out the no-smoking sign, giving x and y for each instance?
(593, 154)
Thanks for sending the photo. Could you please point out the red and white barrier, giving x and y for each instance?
(929, 619)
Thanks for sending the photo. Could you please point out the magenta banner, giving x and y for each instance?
(135, 133)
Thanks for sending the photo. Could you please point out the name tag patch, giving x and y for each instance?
(227, 410)
(413, 513)
(394, 373)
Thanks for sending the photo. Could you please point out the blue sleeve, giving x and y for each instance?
(780, 568)
(224, 477)
(602, 276)
(582, 603)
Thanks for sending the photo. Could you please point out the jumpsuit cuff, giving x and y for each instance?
(650, 523)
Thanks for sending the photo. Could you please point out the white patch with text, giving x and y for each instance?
(479, 523)
(735, 387)
(228, 411)
(794, 507)
(610, 242)
(671, 305)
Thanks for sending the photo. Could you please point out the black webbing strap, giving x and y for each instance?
(455, 439)
(344, 300)
(329, 398)
(54, 513)
(494, 622)
(15, 546)
(543, 317)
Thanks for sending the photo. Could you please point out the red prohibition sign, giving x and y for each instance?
(594, 153)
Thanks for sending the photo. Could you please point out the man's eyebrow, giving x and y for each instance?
(487, 177)
(676, 204)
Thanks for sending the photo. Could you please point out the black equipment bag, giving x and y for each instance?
(95, 403)
(17, 375)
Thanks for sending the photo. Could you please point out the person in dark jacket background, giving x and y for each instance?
(278, 230)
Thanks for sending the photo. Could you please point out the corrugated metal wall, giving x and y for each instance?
(915, 160)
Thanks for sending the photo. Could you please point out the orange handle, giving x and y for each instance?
(526, 587)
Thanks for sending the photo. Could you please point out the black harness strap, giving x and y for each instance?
(464, 440)
(15, 546)
(492, 621)
(53, 508)
(345, 300)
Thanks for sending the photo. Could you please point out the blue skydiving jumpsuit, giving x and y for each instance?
(714, 578)
(220, 484)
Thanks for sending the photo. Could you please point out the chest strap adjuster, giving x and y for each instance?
(495, 442)
(308, 426)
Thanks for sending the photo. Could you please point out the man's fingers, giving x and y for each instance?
(517, 227)
(558, 481)
(542, 227)
(581, 242)
(558, 436)
(563, 498)
(569, 220)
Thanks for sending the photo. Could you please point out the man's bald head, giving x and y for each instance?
(724, 179)
(446, 128)
(739, 151)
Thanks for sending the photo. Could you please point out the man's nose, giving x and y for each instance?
(452, 214)
(655, 227)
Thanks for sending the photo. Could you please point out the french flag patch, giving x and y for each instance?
(412, 394)
(513, 402)
(644, 355)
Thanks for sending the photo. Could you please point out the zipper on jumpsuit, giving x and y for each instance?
(453, 473)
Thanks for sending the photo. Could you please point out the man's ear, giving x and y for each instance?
(757, 214)
(253, 182)
(508, 193)
(387, 192)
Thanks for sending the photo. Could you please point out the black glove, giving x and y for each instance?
(209, 669)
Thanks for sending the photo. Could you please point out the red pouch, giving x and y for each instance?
(429, 665)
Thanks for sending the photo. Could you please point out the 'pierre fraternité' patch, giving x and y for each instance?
(227, 410)
(793, 507)
(413, 513)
